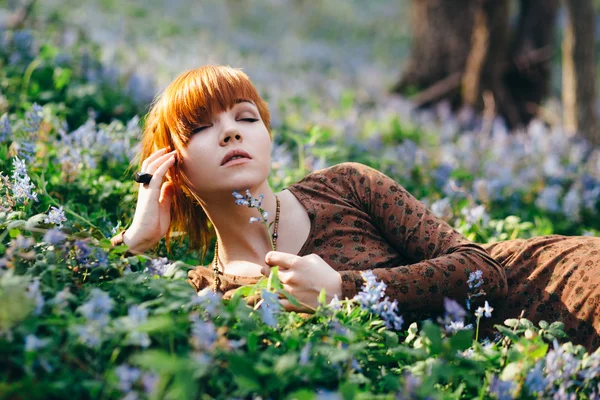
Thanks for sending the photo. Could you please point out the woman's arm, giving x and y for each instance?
(442, 258)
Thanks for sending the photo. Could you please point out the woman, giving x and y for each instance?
(208, 134)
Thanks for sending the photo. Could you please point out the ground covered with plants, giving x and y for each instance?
(82, 320)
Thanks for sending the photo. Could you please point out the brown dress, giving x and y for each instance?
(363, 220)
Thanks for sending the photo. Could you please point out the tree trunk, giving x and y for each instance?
(529, 70)
(441, 44)
(461, 51)
(579, 70)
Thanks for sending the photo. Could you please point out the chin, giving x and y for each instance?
(240, 178)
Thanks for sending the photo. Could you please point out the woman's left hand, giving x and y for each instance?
(304, 278)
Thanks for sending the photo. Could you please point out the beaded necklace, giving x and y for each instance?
(216, 272)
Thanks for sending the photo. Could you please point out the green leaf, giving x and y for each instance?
(323, 297)
(290, 298)
(14, 233)
(434, 334)
(543, 324)
(507, 332)
(244, 373)
(302, 394)
(286, 363)
(274, 282)
(461, 340)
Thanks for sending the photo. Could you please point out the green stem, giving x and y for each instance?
(28, 72)
(477, 331)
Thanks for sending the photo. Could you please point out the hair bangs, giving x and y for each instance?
(197, 95)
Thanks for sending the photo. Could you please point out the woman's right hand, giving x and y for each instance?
(153, 210)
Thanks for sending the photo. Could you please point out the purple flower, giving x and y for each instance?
(158, 266)
(56, 216)
(535, 381)
(33, 343)
(305, 354)
(203, 335)
(82, 251)
(454, 311)
(33, 119)
(369, 299)
(127, 377)
(54, 236)
(22, 188)
(211, 302)
(270, 307)
(33, 292)
(98, 307)
(501, 389)
(560, 365)
(5, 129)
(475, 279)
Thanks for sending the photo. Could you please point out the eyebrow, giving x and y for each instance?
(238, 101)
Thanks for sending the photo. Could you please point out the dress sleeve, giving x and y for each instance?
(441, 258)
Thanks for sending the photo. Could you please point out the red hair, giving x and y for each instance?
(190, 100)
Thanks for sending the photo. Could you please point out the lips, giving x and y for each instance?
(235, 154)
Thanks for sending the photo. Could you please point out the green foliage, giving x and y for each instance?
(81, 319)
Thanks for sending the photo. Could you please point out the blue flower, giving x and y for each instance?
(304, 354)
(455, 326)
(475, 279)
(203, 335)
(22, 188)
(158, 266)
(33, 292)
(56, 216)
(535, 381)
(369, 299)
(270, 307)
(98, 307)
(5, 129)
(82, 251)
(33, 343)
(33, 119)
(127, 377)
(501, 389)
(454, 311)
(54, 236)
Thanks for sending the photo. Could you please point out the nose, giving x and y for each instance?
(230, 136)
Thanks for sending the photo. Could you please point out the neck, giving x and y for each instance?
(238, 239)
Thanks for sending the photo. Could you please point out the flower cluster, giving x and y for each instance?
(370, 297)
(251, 202)
(33, 121)
(157, 266)
(270, 307)
(129, 377)
(56, 216)
(22, 188)
(454, 317)
(96, 312)
(136, 316)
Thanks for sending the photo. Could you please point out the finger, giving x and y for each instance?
(157, 176)
(286, 276)
(283, 260)
(153, 157)
(166, 194)
(265, 270)
(154, 165)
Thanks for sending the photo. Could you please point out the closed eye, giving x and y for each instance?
(249, 119)
(201, 128)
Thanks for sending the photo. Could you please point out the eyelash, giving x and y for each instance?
(243, 119)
